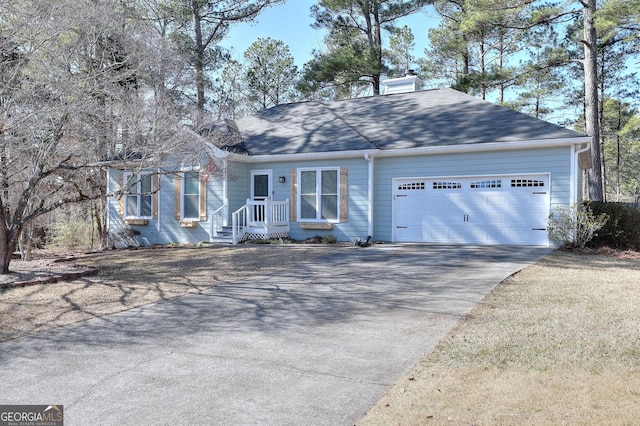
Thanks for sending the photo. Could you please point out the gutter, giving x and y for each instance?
(432, 150)
(587, 148)
(483, 147)
(270, 158)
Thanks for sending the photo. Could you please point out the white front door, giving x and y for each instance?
(261, 190)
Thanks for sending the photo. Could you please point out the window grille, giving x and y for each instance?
(526, 183)
(446, 185)
(411, 186)
(486, 184)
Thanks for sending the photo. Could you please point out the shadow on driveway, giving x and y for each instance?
(318, 343)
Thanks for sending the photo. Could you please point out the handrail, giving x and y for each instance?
(238, 223)
(213, 222)
(261, 214)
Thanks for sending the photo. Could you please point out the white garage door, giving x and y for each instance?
(472, 210)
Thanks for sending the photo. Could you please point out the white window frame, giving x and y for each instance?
(137, 180)
(318, 194)
(183, 182)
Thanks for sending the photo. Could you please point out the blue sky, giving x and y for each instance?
(291, 23)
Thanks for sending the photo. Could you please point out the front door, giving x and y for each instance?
(260, 191)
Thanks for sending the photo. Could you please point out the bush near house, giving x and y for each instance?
(573, 227)
(622, 230)
(72, 235)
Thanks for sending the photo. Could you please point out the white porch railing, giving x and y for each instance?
(218, 219)
(264, 218)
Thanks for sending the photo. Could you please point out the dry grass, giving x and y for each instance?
(558, 343)
(128, 279)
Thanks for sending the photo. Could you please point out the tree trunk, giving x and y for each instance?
(378, 45)
(483, 88)
(24, 243)
(591, 99)
(8, 242)
(618, 154)
(199, 60)
(602, 60)
(374, 37)
(98, 214)
(501, 67)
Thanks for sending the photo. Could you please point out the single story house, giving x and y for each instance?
(436, 166)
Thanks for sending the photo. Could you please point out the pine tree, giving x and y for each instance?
(270, 73)
(355, 45)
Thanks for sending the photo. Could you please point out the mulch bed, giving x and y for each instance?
(609, 252)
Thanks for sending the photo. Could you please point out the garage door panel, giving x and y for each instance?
(501, 210)
(529, 208)
(528, 236)
(437, 234)
(519, 236)
(456, 237)
(411, 202)
(448, 234)
(445, 207)
(487, 199)
(486, 207)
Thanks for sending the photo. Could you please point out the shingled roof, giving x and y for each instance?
(430, 118)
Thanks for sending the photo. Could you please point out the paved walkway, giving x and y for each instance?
(319, 343)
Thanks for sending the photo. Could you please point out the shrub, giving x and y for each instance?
(574, 226)
(259, 241)
(329, 239)
(622, 231)
(72, 235)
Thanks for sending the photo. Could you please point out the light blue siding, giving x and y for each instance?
(356, 224)
(116, 226)
(555, 161)
(165, 229)
(237, 186)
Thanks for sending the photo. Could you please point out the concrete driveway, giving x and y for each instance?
(318, 343)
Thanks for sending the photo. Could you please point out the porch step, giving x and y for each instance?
(224, 236)
(225, 239)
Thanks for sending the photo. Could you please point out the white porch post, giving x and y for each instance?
(159, 218)
(234, 230)
(267, 211)
(225, 200)
(108, 207)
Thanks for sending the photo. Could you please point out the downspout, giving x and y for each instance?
(369, 159)
(575, 164)
(586, 148)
